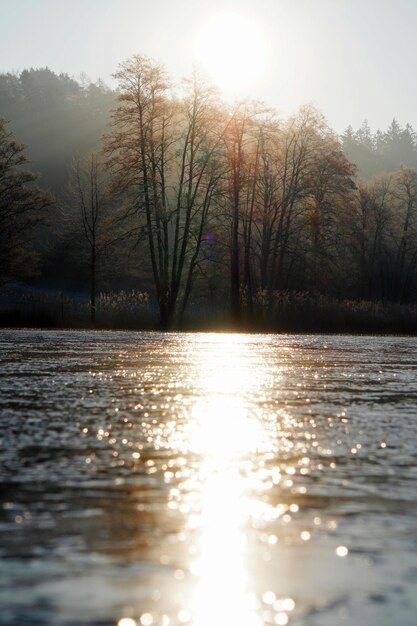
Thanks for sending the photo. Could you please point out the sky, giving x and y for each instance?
(353, 59)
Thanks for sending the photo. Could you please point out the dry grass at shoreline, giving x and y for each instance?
(282, 311)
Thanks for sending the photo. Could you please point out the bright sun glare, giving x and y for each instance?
(232, 50)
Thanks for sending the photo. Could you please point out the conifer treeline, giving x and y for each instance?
(381, 151)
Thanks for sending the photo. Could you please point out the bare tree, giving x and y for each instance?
(22, 208)
(405, 221)
(375, 207)
(87, 190)
(164, 153)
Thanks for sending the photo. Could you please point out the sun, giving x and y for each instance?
(231, 49)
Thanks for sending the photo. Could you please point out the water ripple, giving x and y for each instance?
(168, 479)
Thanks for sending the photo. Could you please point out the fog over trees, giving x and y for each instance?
(165, 189)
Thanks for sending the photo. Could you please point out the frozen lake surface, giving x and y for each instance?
(207, 479)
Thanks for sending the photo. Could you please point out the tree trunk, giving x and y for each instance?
(93, 288)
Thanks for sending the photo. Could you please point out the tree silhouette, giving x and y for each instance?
(22, 207)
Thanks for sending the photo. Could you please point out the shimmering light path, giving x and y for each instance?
(207, 480)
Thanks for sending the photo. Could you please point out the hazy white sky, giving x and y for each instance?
(354, 59)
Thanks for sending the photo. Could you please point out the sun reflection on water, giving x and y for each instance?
(222, 426)
(225, 434)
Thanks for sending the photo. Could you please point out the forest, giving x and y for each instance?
(156, 204)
